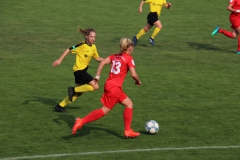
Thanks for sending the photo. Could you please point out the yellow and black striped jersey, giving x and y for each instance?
(84, 53)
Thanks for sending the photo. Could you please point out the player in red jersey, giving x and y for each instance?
(121, 63)
(234, 8)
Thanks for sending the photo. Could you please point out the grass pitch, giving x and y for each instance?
(190, 82)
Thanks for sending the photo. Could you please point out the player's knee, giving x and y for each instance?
(145, 29)
(130, 105)
(105, 110)
(95, 87)
(234, 36)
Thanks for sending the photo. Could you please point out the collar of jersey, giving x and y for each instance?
(88, 44)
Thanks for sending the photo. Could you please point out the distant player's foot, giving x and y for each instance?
(131, 134)
(58, 108)
(238, 52)
(215, 30)
(135, 40)
(71, 93)
(151, 41)
(77, 125)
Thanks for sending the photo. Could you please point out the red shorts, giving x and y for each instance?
(235, 20)
(112, 95)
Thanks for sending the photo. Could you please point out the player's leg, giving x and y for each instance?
(238, 33)
(150, 21)
(141, 33)
(230, 34)
(127, 116)
(61, 106)
(92, 116)
(158, 25)
(78, 82)
(108, 102)
(90, 85)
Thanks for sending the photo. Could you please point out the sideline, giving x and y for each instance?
(119, 151)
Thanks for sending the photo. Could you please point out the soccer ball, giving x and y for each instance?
(152, 127)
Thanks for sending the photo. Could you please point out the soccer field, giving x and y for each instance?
(190, 82)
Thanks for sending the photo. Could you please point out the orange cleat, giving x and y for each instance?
(131, 134)
(78, 125)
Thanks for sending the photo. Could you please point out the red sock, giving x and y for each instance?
(127, 116)
(238, 43)
(93, 116)
(226, 33)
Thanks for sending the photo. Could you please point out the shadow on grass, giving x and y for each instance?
(86, 129)
(205, 46)
(144, 132)
(48, 101)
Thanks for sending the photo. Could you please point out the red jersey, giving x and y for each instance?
(120, 64)
(235, 5)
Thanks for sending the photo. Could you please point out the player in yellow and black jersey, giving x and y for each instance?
(152, 18)
(84, 51)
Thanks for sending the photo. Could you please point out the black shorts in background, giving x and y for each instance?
(82, 77)
(152, 18)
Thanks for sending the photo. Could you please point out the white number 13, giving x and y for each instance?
(116, 67)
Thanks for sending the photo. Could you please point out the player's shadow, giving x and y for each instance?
(47, 101)
(204, 46)
(69, 119)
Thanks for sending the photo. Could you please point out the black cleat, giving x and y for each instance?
(58, 108)
(151, 41)
(71, 93)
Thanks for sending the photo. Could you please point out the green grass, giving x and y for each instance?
(190, 81)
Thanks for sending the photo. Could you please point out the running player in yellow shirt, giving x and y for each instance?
(152, 18)
(84, 82)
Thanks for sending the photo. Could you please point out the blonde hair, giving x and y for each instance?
(125, 43)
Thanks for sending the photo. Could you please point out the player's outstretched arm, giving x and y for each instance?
(59, 60)
(168, 5)
(140, 7)
(99, 59)
(100, 67)
(135, 76)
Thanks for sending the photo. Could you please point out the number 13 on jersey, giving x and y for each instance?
(115, 67)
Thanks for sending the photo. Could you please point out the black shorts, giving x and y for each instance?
(152, 18)
(82, 77)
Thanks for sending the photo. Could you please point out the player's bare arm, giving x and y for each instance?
(135, 76)
(59, 60)
(99, 59)
(100, 67)
(230, 8)
(140, 7)
(168, 5)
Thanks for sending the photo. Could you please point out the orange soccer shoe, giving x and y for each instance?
(131, 134)
(78, 125)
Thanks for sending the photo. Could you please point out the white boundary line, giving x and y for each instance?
(120, 151)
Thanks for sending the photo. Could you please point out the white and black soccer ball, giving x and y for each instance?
(152, 127)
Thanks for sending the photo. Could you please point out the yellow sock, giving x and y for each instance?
(66, 101)
(84, 88)
(140, 34)
(155, 32)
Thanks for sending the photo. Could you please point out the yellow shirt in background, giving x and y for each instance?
(156, 5)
